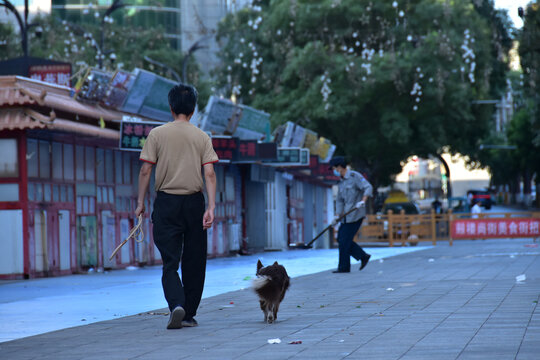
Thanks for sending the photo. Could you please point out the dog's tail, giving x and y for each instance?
(260, 282)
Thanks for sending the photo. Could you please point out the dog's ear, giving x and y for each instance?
(259, 265)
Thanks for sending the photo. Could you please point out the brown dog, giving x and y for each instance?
(271, 284)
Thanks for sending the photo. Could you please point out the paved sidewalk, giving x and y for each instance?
(459, 302)
(58, 303)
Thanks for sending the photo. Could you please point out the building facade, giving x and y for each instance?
(136, 13)
(68, 192)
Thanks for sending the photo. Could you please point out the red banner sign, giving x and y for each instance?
(495, 228)
(225, 147)
(54, 74)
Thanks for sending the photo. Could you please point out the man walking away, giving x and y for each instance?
(353, 192)
(179, 150)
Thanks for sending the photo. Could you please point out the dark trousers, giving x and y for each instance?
(180, 238)
(347, 247)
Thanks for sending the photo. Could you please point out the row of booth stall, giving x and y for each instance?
(68, 183)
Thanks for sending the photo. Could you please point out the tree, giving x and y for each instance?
(78, 44)
(529, 122)
(382, 80)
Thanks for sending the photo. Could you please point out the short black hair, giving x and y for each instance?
(182, 99)
(337, 161)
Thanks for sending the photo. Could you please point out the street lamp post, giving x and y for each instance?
(168, 68)
(196, 46)
(23, 22)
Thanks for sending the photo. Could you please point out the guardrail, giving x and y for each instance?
(410, 229)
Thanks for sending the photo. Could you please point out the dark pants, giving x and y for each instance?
(347, 247)
(180, 238)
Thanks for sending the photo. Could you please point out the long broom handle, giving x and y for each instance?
(329, 226)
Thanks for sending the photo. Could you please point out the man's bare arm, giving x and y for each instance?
(210, 180)
(144, 181)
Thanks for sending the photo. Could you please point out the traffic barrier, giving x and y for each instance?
(410, 229)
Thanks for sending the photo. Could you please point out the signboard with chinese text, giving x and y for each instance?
(226, 147)
(54, 74)
(133, 132)
(495, 228)
(247, 151)
(291, 156)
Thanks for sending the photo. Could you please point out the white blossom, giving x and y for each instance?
(367, 67)
(416, 88)
(325, 89)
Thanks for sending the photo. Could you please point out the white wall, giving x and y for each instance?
(276, 213)
(462, 178)
(11, 245)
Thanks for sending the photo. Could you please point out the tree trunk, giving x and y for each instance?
(447, 170)
(526, 188)
(514, 189)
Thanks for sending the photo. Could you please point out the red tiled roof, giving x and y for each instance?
(22, 118)
(17, 91)
(14, 96)
(18, 119)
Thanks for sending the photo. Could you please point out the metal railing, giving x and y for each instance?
(411, 229)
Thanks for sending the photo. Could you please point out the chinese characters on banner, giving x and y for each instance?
(234, 149)
(495, 228)
(54, 74)
(247, 150)
(225, 147)
(133, 134)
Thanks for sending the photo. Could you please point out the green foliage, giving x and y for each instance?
(529, 52)
(278, 55)
(10, 43)
(525, 129)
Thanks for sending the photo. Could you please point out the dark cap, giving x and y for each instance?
(337, 161)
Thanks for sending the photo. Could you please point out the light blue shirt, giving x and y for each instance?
(351, 189)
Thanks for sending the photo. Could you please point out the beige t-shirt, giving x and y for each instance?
(179, 149)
